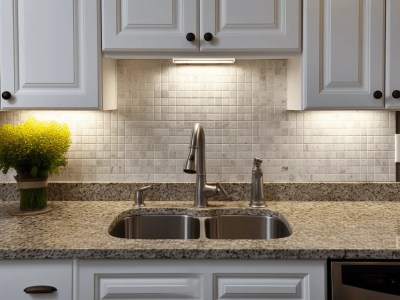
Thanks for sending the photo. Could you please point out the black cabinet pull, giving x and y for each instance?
(6, 95)
(190, 37)
(396, 94)
(208, 36)
(40, 289)
(377, 94)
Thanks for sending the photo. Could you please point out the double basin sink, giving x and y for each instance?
(190, 227)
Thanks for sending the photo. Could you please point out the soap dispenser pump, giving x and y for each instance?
(257, 185)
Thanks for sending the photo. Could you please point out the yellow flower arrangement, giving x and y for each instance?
(37, 148)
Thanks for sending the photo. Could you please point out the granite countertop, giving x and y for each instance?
(321, 229)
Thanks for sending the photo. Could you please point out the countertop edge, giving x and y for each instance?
(224, 254)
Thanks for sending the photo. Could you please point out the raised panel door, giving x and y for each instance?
(251, 25)
(201, 279)
(49, 53)
(149, 286)
(149, 25)
(343, 55)
(261, 286)
(392, 89)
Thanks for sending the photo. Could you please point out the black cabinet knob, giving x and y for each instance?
(396, 94)
(40, 289)
(208, 36)
(190, 37)
(6, 95)
(377, 94)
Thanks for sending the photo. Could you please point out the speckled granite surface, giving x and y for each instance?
(321, 229)
(237, 191)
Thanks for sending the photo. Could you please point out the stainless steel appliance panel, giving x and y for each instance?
(365, 280)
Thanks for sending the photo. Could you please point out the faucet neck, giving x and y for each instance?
(198, 142)
(196, 163)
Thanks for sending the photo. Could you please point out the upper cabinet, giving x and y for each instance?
(149, 25)
(343, 64)
(392, 84)
(250, 25)
(50, 55)
(166, 28)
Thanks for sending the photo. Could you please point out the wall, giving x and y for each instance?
(242, 108)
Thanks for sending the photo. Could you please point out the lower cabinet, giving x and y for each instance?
(162, 279)
(36, 279)
(201, 279)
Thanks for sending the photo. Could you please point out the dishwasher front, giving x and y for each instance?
(365, 280)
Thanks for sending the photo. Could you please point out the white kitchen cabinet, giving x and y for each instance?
(201, 279)
(50, 56)
(250, 25)
(343, 61)
(149, 25)
(160, 28)
(392, 86)
(19, 275)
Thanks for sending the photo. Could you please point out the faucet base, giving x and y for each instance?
(257, 205)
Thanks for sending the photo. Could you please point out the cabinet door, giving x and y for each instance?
(392, 91)
(201, 279)
(140, 279)
(262, 286)
(149, 25)
(49, 53)
(17, 275)
(250, 25)
(343, 54)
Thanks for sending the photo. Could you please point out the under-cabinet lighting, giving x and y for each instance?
(203, 61)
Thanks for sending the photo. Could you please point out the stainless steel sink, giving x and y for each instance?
(157, 227)
(246, 227)
(188, 227)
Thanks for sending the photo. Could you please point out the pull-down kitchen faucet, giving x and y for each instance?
(196, 163)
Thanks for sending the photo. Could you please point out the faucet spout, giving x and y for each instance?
(190, 164)
(196, 164)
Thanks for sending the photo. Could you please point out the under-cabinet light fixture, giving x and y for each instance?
(202, 61)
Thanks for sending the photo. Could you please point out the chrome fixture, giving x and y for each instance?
(196, 163)
(140, 195)
(257, 185)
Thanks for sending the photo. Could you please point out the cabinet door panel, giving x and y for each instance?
(251, 25)
(392, 53)
(343, 59)
(149, 25)
(262, 13)
(60, 62)
(261, 286)
(49, 53)
(148, 286)
(148, 12)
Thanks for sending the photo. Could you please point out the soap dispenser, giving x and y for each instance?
(257, 185)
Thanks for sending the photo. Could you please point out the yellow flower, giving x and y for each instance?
(34, 146)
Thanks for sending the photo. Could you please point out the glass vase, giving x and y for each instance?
(32, 191)
(33, 199)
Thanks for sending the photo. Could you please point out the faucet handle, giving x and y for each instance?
(139, 196)
(145, 188)
(220, 188)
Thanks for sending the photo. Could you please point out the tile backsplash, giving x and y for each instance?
(242, 108)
